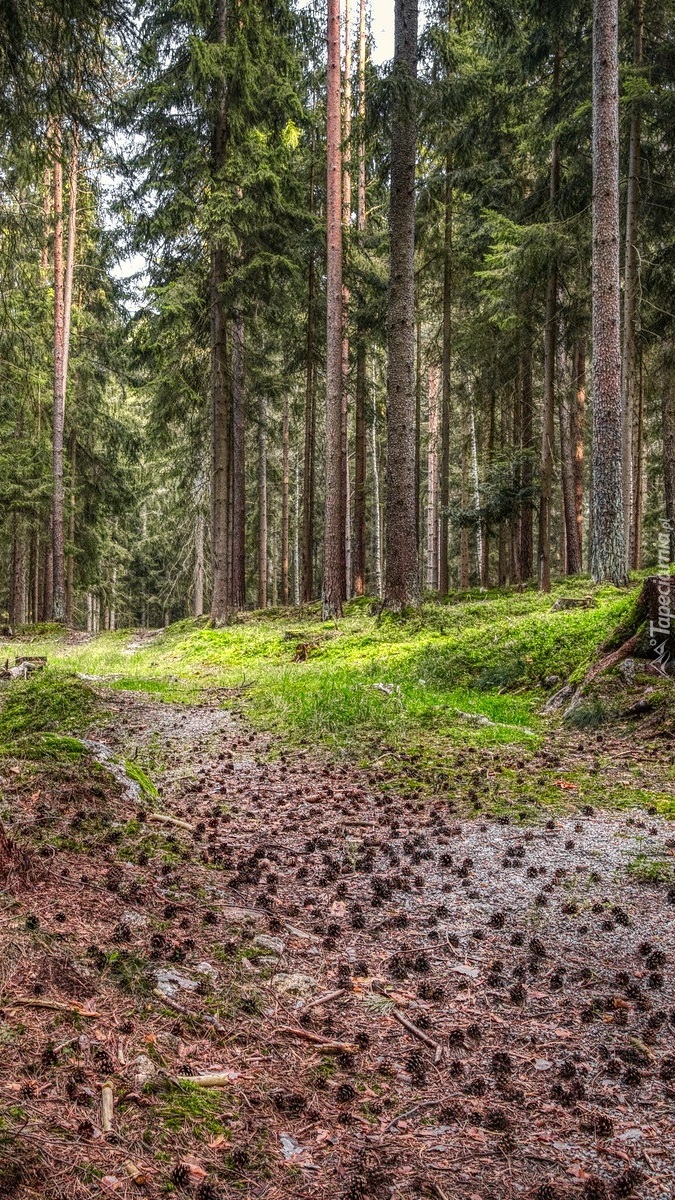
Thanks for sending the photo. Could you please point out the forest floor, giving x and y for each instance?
(410, 982)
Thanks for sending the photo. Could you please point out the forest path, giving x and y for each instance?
(490, 940)
(399, 1003)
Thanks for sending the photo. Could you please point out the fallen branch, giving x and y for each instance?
(169, 820)
(33, 1002)
(327, 996)
(217, 1079)
(409, 1112)
(320, 1042)
(419, 1033)
(186, 1012)
(107, 1105)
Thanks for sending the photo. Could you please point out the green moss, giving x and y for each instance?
(139, 776)
(36, 712)
(197, 1110)
(646, 869)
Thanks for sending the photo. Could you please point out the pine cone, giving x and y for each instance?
(627, 1182)
(180, 1175)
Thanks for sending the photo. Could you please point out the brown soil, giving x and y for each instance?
(537, 970)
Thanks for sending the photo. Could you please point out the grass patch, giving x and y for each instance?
(648, 870)
(139, 776)
(427, 675)
(197, 1110)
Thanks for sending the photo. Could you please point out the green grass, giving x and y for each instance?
(429, 675)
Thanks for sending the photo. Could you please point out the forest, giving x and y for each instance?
(337, 531)
(369, 303)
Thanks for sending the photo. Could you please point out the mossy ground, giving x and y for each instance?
(401, 696)
(369, 677)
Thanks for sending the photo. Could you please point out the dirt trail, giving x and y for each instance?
(497, 1017)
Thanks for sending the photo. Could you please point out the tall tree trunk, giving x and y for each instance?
(238, 465)
(567, 406)
(547, 418)
(198, 574)
(359, 544)
(377, 510)
(418, 433)
(58, 420)
(527, 509)
(578, 422)
(334, 523)
(446, 368)
(668, 441)
(517, 437)
(464, 565)
(262, 502)
(629, 378)
(402, 577)
(504, 551)
(485, 530)
(346, 222)
(220, 400)
(285, 525)
(483, 563)
(70, 567)
(310, 423)
(639, 470)
(432, 480)
(608, 549)
(296, 533)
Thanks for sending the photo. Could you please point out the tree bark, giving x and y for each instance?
(238, 465)
(639, 469)
(198, 575)
(432, 481)
(517, 437)
(346, 223)
(418, 432)
(402, 577)
(220, 399)
(464, 565)
(285, 525)
(578, 421)
(668, 442)
(310, 422)
(58, 418)
(527, 509)
(630, 295)
(377, 510)
(334, 521)
(608, 548)
(504, 541)
(70, 567)
(483, 564)
(446, 369)
(547, 417)
(359, 543)
(262, 502)
(567, 405)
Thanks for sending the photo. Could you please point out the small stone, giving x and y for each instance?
(272, 944)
